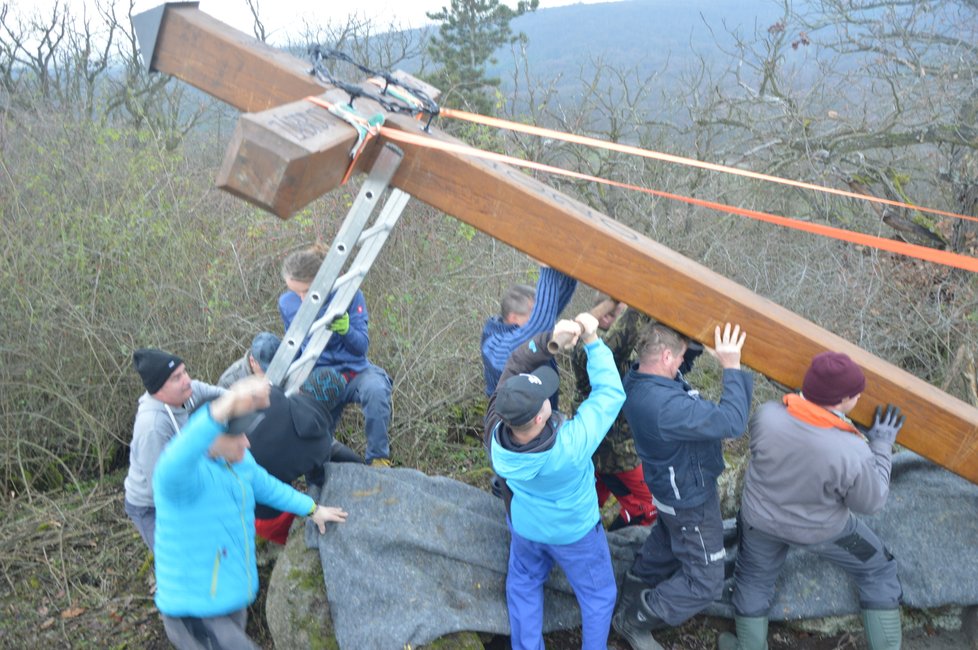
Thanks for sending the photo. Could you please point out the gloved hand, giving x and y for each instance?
(341, 325)
(693, 350)
(886, 424)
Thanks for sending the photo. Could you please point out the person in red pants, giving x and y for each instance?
(617, 467)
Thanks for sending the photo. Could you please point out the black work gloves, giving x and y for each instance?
(886, 425)
(693, 350)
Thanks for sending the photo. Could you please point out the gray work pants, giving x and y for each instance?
(145, 520)
(682, 560)
(856, 550)
(212, 633)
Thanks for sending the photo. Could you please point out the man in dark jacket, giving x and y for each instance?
(680, 568)
(293, 437)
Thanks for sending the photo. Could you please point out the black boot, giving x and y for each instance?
(635, 623)
(631, 587)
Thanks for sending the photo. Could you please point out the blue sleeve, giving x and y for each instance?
(683, 418)
(585, 431)
(288, 307)
(271, 492)
(357, 340)
(176, 474)
(554, 291)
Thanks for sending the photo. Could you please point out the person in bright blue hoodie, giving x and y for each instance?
(545, 458)
(205, 487)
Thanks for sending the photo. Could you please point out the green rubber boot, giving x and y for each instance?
(751, 634)
(883, 631)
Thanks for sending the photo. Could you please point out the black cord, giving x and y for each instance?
(321, 55)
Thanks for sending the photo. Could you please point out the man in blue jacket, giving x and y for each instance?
(546, 461)
(524, 312)
(205, 488)
(680, 568)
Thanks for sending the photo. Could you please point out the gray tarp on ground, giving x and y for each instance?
(422, 556)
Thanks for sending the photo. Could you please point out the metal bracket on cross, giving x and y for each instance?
(330, 293)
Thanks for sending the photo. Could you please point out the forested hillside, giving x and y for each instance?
(114, 237)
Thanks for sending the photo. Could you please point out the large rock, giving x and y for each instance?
(296, 607)
(422, 557)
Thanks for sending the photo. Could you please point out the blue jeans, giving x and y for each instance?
(587, 565)
(371, 389)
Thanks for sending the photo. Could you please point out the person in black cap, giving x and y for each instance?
(546, 461)
(809, 469)
(206, 486)
(254, 362)
(171, 395)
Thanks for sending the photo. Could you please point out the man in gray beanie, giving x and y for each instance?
(171, 395)
(809, 469)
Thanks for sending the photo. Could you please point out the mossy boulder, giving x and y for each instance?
(297, 609)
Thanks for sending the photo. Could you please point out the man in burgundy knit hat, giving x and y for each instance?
(809, 469)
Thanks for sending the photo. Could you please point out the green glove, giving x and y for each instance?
(341, 325)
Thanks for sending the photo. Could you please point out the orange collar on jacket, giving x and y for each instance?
(816, 415)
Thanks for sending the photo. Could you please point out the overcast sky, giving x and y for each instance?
(279, 15)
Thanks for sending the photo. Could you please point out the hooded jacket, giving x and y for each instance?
(552, 476)
(294, 439)
(205, 523)
(155, 424)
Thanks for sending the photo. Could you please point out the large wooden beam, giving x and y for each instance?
(303, 153)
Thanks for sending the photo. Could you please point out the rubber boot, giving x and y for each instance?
(883, 631)
(636, 622)
(751, 634)
(631, 587)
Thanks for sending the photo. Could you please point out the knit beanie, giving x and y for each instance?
(831, 378)
(154, 367)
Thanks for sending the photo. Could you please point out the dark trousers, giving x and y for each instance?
(682, 560)
(145, 520)
(856, 550)
(212, 633)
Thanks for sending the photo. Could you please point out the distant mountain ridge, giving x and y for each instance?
(650, 35)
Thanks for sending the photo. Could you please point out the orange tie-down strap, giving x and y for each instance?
(910, 250)
(689, 162)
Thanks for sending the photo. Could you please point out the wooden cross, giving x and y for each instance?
(286, 152)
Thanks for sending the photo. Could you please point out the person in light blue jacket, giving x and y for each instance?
(205, 488)
(546, 462)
